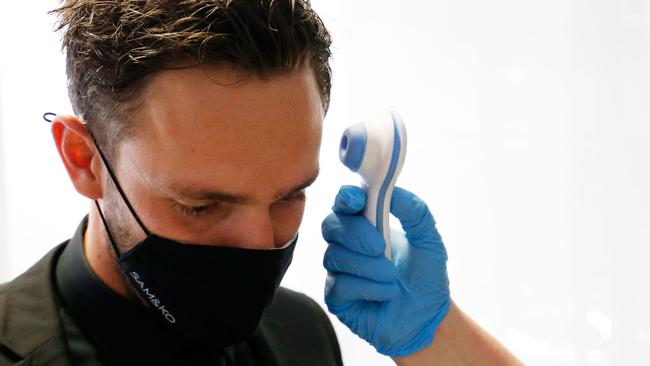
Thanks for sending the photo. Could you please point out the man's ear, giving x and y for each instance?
(78, 154)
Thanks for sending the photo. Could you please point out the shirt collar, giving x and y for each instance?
(124, 331)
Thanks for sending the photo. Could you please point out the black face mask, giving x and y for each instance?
(213, 295)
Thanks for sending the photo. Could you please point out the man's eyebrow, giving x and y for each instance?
(199, 195)
(308, 182)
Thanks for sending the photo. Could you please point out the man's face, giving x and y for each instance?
(219, 158)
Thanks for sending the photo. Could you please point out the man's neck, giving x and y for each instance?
(100, 256)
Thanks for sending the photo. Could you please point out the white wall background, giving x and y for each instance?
(4, 261)
(529, 137)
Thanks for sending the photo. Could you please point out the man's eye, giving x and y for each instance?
(194, 211)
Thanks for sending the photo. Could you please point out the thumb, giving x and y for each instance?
(350, 200)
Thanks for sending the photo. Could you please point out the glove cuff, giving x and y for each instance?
(424, 338)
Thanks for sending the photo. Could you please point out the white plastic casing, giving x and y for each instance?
(382, 149)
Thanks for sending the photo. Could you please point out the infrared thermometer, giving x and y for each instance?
(376, 150)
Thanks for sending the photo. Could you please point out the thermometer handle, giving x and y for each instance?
(376, 151)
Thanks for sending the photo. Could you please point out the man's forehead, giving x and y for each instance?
(253, 141)
(191, 109)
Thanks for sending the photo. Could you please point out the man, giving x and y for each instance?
(197, 128)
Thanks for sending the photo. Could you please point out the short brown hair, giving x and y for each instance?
(112, 46)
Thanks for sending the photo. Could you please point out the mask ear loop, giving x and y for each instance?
(108, 231)
(117, 185)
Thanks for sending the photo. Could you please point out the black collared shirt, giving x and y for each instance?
(95, 327)
(121, 331)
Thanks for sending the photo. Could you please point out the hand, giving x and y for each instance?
(394, 305)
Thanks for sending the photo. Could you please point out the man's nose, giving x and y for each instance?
(253, 229)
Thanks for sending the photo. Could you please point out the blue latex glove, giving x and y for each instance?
(395, 305)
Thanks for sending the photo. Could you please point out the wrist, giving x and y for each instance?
(460, 342)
